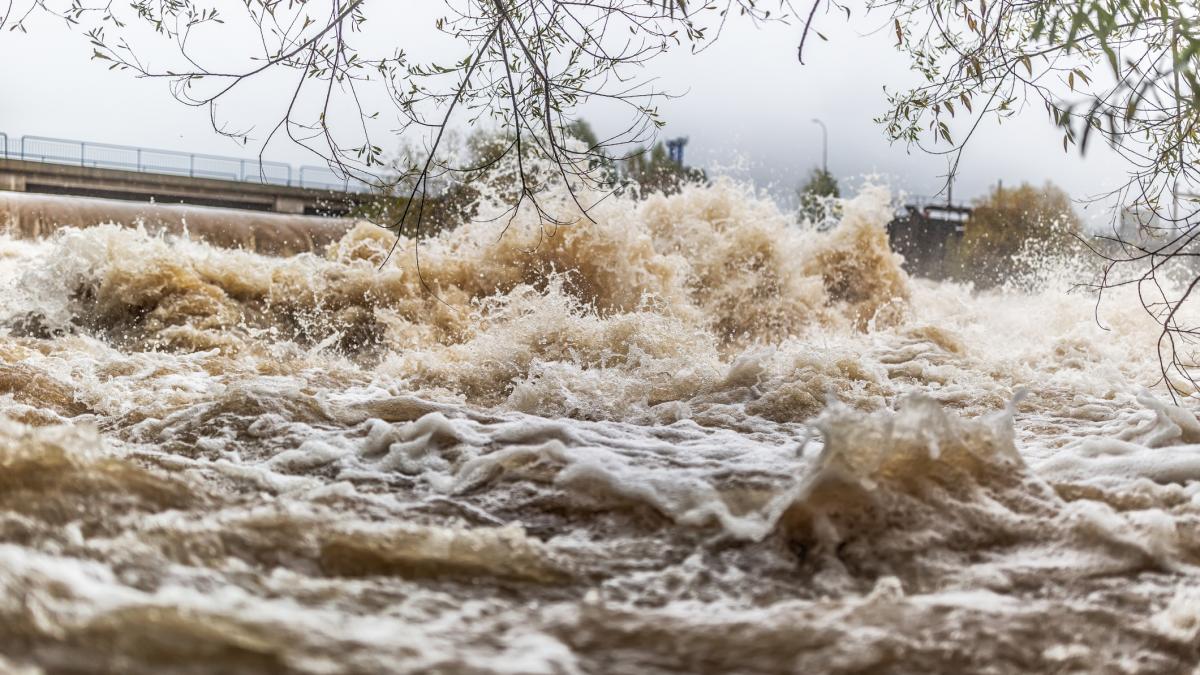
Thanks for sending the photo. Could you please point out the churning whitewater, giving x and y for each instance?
(687, 437)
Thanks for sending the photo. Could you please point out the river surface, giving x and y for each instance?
(687, 438)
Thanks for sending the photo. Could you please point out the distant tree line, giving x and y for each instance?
(1008, 223)
(1011, 231)
(453, 196)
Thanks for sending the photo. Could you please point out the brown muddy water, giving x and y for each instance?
(688, 438)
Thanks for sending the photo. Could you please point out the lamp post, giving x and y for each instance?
(824, 146)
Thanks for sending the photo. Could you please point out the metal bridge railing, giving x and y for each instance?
(323, 178)
(172, 162)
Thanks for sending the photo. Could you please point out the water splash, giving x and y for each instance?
(690, 437)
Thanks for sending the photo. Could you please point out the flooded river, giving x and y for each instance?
(688, 438)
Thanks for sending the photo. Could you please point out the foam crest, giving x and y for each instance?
(644, 306)
(686, 437)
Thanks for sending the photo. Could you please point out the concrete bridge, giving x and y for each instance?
(64, 167)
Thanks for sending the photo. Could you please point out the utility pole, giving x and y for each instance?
(824, 146)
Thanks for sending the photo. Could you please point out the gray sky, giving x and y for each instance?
(747, 106)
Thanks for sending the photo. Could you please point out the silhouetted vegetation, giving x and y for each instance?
(1009, 220)
(654, 171)
(817, 198)
(453, 195)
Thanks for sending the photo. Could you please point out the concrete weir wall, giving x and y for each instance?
(31, 216)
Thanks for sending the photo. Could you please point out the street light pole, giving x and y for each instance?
(824, 146)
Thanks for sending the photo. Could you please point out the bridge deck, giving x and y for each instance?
(55, 178)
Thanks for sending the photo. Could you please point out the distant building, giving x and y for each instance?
(927, 236)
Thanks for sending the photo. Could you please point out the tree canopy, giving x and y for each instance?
(818, 197)
(1123, 71)
(1007, 221)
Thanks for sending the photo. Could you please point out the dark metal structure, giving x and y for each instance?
(928, 236)
(675, 149)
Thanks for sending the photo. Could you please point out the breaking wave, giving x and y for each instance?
(687, 437)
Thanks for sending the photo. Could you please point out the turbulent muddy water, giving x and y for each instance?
(689, 437)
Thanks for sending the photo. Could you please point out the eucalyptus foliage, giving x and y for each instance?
(1120, 72)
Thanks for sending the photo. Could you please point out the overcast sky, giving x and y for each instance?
(747, 107)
